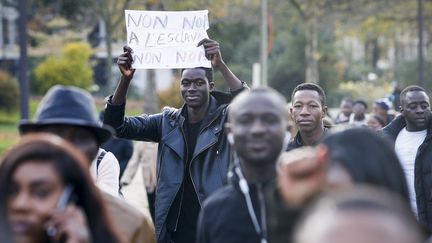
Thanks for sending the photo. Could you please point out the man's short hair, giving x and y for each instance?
(361, 102)
(347, 100)
(313, 87)
(208, 72)
(234, 106)
(410, 88)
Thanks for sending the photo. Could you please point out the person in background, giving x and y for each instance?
(359, 118)
(69, 112)
(359, 215)
(395, 96)
(346, 108)
(381, 108)
(308, 109)
(375, 122)
(35, 175)
(145, 154)
(411, 134)
(121, 148)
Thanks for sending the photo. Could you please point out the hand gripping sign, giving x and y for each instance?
(167, 39)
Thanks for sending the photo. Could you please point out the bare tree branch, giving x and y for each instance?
(299, 9)
(120, 18)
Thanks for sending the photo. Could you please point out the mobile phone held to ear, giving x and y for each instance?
(64, 200)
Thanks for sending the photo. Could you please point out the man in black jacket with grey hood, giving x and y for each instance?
(257, 131)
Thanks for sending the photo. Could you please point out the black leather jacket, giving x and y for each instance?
(210, 162)
(422, 170)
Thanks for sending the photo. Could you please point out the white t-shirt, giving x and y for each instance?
(108, 173)
(406, 146)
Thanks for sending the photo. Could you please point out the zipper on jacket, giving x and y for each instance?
(182, 193)
(190, 164)
(182, 187)
(179, 211)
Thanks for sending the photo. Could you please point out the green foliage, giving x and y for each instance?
(286, 64)
(9, 92)
(70, 68)
(239, 43)
(365, 90)
(171, 96)
(287, 61)
(408, 73)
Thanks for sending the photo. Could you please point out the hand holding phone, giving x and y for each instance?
(68, 223)
(63, 201)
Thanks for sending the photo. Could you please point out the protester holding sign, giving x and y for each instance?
(193, 152)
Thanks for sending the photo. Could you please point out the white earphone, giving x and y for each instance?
(230, 138)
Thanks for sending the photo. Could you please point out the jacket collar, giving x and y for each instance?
(212, 111)
(395, 126)
(298, 141)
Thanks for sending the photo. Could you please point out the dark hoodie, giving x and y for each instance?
(225, 216)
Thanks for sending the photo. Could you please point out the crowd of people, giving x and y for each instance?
(237, 166)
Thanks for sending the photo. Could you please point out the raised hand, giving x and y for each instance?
(212, 51)
(70, 225)
(301, 174)
(124, 63)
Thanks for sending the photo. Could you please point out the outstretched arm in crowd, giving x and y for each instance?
(302, 175)
(213, 53)
(124, 63)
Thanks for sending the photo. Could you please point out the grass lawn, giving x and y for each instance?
(9, 121)
(8, 136)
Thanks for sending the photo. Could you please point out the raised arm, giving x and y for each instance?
(124, 63)
(213, 53)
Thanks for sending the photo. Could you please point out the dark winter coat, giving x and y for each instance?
(422, 170)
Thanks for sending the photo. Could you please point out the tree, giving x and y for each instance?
(111, 14)
(71, 68)
(9, 92)
(23, 78)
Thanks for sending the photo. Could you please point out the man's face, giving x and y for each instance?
(195, 87)
(307, 110)
(259, 127)
(359, 110)
(378, 110)
(83, 139)
(373, 123)
(34, 192)
(416, 110)
(346, 108)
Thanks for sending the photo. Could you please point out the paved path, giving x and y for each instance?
(135, 192)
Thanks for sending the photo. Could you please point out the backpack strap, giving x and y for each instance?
(99, 159)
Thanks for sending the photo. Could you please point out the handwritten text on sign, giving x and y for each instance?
(165, 39)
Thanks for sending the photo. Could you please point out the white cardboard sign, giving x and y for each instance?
(167, 39)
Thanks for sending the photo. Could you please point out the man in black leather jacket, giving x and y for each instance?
(193, 154)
